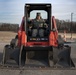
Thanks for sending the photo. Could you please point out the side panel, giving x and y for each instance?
(22, 34)
(24, 38)
(19, 38)
(53, 37)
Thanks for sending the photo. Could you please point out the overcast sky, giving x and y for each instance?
(11, 11)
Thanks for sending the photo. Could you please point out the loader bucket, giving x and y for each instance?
(37, 57)
(61, 57)
(10, 56)
(47, 57)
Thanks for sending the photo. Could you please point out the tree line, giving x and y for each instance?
(68, 26)
(61, 25)
(9, 27)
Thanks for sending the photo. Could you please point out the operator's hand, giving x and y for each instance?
(30, 27)
(45, 25)
(41, 25)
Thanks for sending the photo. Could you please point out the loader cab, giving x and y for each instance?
(33, 29)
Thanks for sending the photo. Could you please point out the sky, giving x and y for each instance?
(12, 11)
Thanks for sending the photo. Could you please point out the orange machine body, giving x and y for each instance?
(22, 37)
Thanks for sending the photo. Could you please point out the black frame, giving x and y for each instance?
(30, 7)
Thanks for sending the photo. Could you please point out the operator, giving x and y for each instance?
(38, 26)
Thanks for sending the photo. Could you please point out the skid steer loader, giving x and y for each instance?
(38, 51)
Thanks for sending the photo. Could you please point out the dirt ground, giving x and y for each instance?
(6, 35)
(68, 35)
(5, 38)
(37, 72)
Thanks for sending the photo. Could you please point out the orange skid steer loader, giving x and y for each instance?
(35, 48)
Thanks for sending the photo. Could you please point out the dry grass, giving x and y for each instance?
(6, 36)
(68, 35)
